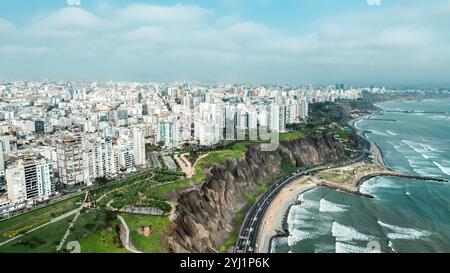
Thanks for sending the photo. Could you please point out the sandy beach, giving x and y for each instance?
(273, 219)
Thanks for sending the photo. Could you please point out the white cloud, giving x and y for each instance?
(177, 14)
(6, 27)
(65, 23)
(187, 41)
(74, 2)
(374, 2)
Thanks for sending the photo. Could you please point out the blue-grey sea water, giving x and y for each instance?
(406, 215)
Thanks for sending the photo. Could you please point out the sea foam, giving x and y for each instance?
(404, 233)
(443, 169)
(349, 248)
(391, 133)
(327, 206)
(297, 236)
(344, 234)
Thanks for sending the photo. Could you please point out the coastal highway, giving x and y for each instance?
(246, 242)
(248, 234)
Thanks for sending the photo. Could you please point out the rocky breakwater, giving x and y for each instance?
(204, 216)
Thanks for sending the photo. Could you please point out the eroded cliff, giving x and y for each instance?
(204, 216)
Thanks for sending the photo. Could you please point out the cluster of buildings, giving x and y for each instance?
(60, 135)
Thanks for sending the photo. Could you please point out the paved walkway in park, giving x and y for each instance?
(125, 236)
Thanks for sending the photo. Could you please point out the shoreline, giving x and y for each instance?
(286, 206)
(273, 221)
(284, 222)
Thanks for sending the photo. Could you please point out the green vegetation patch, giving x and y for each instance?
(20, 224)
(286, 164)
(236, 151)
(148, 232)
(161, 191)
(96, 232)
(43, 240)
(239, 218)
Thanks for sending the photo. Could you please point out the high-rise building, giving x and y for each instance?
(125, 156)
(2, 160)
(139, 146)
(277, 118)
(98, 160)
(29, 178)
(39, 126)
(168, 134)
(340, 86)
(15, 185)
(304, 109)
(70, 160)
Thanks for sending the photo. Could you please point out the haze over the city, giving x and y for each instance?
(289, 41)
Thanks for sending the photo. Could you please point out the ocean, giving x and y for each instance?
(406, 215)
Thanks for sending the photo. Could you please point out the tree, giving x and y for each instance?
(161, 143)
(110, 216)
(101, 180)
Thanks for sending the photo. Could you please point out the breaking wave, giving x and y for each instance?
(349, 248)
(327, 206)
(443, 169)
(391, 133)
(299, 235)
(345, 234)
(404, 233)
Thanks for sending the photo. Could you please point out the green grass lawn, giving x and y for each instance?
(24, 222)
(100, 190)
(96, 233)
(155, 242)
(101, 243)
(44, 240)
(237, 150)
(93, 230)
(160, 192)
(292, 135)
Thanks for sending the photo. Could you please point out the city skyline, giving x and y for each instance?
(314, 42)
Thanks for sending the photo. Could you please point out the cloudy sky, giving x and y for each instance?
(259, 41)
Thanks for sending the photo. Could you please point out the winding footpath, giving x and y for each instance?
(125, 236)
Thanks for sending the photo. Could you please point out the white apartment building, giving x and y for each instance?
(98, 160)
(124, 155)
(277, 118)
(168, 133)
(29, 179)
(139, 146)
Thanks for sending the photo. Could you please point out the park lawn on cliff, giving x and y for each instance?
(95, 231)
(160, 192)
(121, 182)
(155, 242)
(292, 136)
(20, 224)
(236, 151)
(101, 243)
(43, 240)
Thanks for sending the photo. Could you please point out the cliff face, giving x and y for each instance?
(204, 216)
(311, 151)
